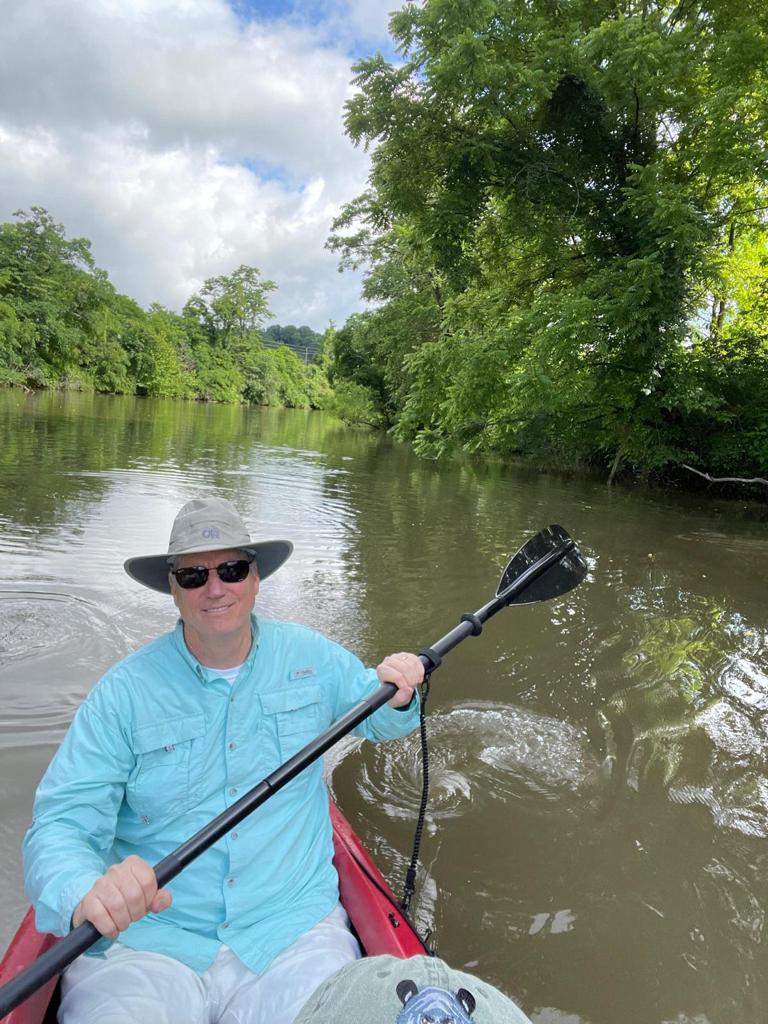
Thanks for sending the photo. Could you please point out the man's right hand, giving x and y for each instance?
(124, 893)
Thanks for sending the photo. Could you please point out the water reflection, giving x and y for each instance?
(694, 714)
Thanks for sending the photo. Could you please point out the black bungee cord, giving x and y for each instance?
(410, 877)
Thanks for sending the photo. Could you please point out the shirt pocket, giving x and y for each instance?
(297, 715)
(165, 780)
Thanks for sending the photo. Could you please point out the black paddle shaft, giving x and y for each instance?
(85, 935)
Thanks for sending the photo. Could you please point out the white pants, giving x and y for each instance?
(134, 987)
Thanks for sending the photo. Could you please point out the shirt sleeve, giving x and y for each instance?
(355, 683)
(66, 848)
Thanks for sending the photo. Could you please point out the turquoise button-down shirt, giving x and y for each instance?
(160, 746)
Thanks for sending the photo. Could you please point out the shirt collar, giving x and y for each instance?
(203, 673)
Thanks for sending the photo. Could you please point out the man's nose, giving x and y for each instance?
(214, 586)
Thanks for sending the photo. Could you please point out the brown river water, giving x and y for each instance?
(596, 840)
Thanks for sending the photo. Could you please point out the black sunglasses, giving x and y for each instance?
(195, 576)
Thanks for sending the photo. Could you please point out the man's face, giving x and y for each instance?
(216, 610)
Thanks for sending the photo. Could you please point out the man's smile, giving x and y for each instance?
(218, 610)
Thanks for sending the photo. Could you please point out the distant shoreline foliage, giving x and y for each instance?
(63, 325)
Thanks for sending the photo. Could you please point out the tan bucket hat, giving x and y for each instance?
(206, 524)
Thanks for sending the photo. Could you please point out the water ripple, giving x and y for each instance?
(61, 642)
(483, 751)
(743, 682)
(31, 622)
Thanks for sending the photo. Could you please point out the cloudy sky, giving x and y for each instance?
(185, 137)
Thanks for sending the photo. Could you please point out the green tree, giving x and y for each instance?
(371, 350)
(47, 287)
(566, 177)
(223, 321)
(231, 308)
(162, 358)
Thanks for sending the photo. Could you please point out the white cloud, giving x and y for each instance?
(371, 17)
(135, 123)
(354, 21)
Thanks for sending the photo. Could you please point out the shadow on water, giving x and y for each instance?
(596, 839)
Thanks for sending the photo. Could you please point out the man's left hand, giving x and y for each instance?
(406, 672)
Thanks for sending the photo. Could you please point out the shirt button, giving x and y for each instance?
(233, 791)
(233, 836)
(230, 882)
(225, 924)
(231, 700)
(233, 746)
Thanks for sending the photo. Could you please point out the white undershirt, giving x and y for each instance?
(230, 674)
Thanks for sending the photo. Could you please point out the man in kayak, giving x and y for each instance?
(170, 737)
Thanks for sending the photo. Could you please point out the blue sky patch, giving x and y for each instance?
(250, 10)
(335, 29)
(266, 171)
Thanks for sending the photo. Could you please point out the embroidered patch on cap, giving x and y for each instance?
(302, 673)
(434, 1004)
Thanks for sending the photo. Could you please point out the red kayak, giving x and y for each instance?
(369, 901)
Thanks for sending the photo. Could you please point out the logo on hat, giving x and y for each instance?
(211, 532)
(433, 1004)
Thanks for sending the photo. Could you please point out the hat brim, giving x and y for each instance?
(152, 570)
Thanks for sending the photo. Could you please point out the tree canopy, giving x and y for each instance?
(565, 231)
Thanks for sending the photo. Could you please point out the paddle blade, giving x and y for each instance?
(536, 573)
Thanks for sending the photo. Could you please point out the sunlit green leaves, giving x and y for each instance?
(573, 174)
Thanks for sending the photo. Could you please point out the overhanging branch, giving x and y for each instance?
(727, 479)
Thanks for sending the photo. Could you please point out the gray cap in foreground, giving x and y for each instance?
(206, 524)
(387, 990)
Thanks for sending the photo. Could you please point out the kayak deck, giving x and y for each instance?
(376, 918)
